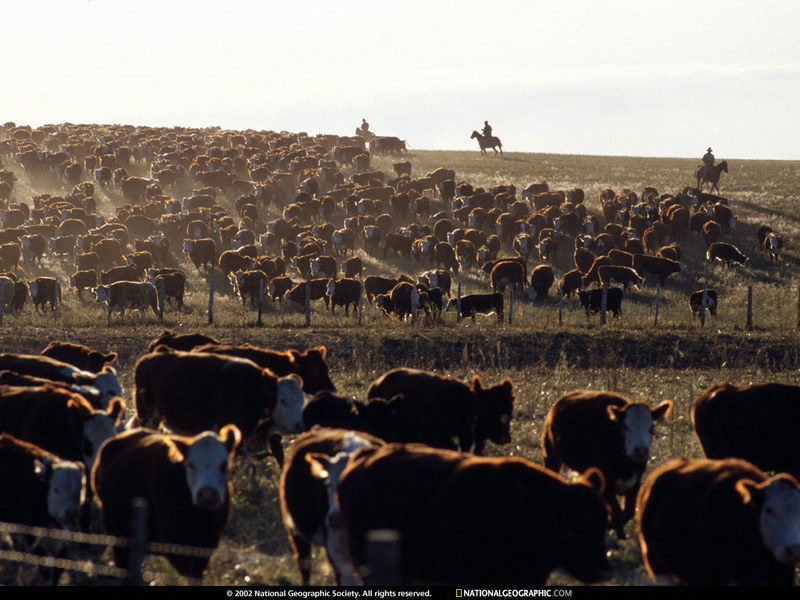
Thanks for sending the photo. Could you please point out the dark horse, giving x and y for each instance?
(484, 142)
(711, 177)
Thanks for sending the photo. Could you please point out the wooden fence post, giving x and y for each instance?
(261, 285)
(658, 300)
(749, 308)
(308, 302)
(703, 306)
(458, 303)
(162, 297)
(360, 302)
(56, 303)
(383, 557)
(511, 305)
(604, 304)
(211, 301)
(137, 541)
(560, 305)
(798, 307)
(2, 301)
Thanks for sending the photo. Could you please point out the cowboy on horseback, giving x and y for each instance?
(708, 162)
(487, 130)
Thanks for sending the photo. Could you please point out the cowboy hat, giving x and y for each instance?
(709, 149)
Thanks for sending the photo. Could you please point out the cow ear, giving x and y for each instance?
(319, 464)
(476, 383)
(111, 357)
(749, 490)
(115, 408)
(176, 452)
(507, 385)
(231, 436)
(42, 469)
(593, 477)
(615, 413)
(321, 350)
(661, 411)
(109, 369)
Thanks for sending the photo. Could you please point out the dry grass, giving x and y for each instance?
(677, 359)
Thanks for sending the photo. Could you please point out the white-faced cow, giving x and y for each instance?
(719, 522)
(585, 429)
(185, 482)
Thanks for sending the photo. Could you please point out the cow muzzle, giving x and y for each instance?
(208, 498)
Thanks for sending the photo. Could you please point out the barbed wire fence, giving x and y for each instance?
(132, 574)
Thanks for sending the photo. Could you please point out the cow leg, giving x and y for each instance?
(276, 448)
(629, 503)
(617, 520)
(302, 556)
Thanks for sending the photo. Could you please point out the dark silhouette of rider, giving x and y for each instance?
(364, 126)
(708, 161)
(487, 129)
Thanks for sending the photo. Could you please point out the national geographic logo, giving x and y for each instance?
(543, 593)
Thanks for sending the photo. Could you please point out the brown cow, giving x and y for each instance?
(437, 408)
(45, 290)
(186, 482)
(473, 521)
(308, 507)
(585, 429)
(134, 295)
(719, 522)
(79, 355)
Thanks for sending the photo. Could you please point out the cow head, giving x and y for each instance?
(207, 459)
(777, 501)
(107, 384)
(311, 366)
(101, 293)
(287, 412)
(495, 410)
(98, 426)
(66, 489)
(636, 420)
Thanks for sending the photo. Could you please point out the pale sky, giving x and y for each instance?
(642, 78)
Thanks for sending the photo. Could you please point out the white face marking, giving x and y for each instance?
(637, 426)
(779, 520)
(97, 429)
(206, 464)
(108, 385)
(67, 492)
(331, 287)
(288, 412)
(187, 246)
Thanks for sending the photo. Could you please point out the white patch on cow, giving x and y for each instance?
(66, 492)
(187, 246)
(637, 427)
(206, 464)
(779, 520)
(96, 430)
(331, 287)
(288, 411)
(108, 385)
(33, 286)
(315, 267)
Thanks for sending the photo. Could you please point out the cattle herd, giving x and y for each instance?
(130, 213)
(410, 455)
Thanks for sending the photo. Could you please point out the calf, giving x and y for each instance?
(473, 304)
(725, 252)
(80, 356)
(45, 290)
(662, 268)
(344, 292)
(249, 285)
(571, 282)
(506, 273)
(616, 274)
(719, 522)
(592, 300)
(297, 295)
(542, 279)
(324, 267)
(278, 286)
(191, 392)
(352, 267)
(81, 280)
(307, 497)
(585, 429)
(435, 409)
(134, 295)
(185, 481)
(696, 302)
(48, 492)
(374, 416)
(201, 251)
(173, 283)
(473, 521)
(773, 243)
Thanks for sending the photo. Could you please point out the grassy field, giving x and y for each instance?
(676, 359)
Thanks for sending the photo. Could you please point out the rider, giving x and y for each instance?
(487, 129)
(364, 126)
(708, 161)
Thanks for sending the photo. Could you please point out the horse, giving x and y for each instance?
(485, 142)
(712, 176)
